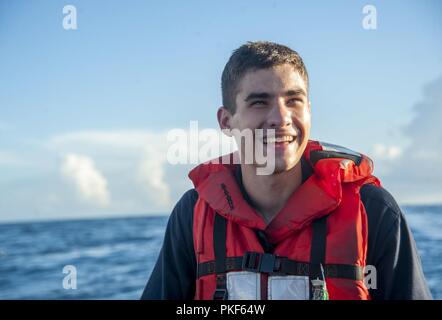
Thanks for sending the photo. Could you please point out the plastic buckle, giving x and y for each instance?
(250, 261)
(220, 294)
(258, 262)
(267, 263)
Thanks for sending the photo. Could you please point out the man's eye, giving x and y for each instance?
(295, 101)
(258, 103)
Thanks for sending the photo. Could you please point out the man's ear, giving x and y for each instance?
(224, 116)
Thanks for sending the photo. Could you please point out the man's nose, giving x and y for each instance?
(279, 116)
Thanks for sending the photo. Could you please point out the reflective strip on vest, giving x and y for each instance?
(245, 285)
(288, 288)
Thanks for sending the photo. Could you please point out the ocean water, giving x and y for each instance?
(114, 257)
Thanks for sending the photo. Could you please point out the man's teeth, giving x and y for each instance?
(279, 139)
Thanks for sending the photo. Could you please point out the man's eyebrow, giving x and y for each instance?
(295, 92)
(266, 95)
(258, 95)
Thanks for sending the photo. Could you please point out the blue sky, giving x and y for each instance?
(103, 96)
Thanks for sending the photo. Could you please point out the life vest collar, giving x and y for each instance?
(316, 197)
(221, 191)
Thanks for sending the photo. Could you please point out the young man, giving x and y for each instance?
(306, 231)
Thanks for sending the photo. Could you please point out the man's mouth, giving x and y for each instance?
(279, 139)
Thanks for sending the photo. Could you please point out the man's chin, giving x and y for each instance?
(283, 166)
(279, 166)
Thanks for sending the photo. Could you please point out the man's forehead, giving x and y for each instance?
(273, 80)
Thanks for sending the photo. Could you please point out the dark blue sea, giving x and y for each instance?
(114, 257)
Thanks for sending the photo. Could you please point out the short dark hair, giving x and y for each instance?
(253, 56)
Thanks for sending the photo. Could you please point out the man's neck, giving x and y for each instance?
(270, 193)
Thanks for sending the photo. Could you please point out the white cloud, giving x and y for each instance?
(385, 158)
(89, 182)
(133, 161)
(415, 175)
(381, 151)
(425, 129)
(151, 174)
(136, 160)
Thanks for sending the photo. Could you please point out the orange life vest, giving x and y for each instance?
(319, 237)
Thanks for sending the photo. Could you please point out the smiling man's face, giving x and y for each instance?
(274, 98)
